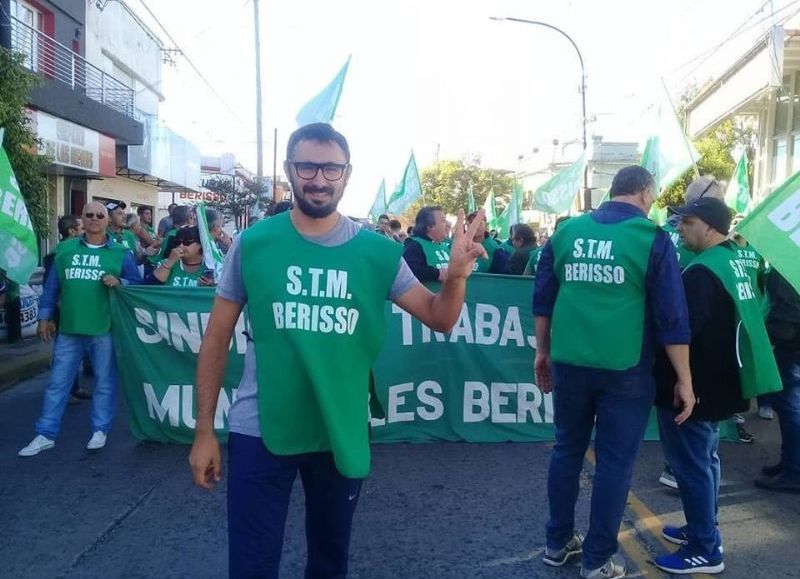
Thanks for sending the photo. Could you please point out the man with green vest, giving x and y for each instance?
(705, 186)
(607, 289)
(425, 251)
(731, 362)
(116, 226)
(496, 259)
(84, 270)
(315, 284)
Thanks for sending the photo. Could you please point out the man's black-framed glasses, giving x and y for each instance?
(308, 170)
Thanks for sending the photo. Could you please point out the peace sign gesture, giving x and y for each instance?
(464, 251)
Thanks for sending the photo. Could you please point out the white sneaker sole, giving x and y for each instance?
(668, 482)
(27, 453)
(706, 569)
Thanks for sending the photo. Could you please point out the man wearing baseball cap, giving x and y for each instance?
(116, 226)
(731, 361)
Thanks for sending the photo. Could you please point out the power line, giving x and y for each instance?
(705, 56)
(191, 63)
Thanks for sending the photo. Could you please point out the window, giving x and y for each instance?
(24, 38)
(796, 154)
(779, 161)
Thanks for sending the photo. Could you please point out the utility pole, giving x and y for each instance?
(259, 140)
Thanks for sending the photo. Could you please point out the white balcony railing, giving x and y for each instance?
(53, 60)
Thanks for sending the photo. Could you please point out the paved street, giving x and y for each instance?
(440, 511)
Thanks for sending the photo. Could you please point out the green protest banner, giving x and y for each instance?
(474, 384)
(773, 228)
(19, 254)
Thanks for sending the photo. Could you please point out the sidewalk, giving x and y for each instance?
(23, 360)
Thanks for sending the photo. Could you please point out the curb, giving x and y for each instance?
(23, 368)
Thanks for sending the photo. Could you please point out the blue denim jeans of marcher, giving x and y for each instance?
(787, 404)
(67, 354)
(618, 404)
(691, 450)
(259, 487)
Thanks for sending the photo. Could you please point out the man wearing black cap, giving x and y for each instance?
(607, 288)
(730, 359)
(116, 226)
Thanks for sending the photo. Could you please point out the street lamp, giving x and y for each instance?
(587, 193)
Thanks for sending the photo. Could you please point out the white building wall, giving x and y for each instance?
(122, 46)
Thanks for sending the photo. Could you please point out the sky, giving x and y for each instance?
(438, 76)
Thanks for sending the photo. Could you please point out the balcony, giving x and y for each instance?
(54, 61)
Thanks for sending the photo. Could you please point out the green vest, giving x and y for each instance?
(317, 317)
(436, 254)
(149, 229)
(598, 319)
(483, 265)
(85, 308)
(533, 261)
(753, 263)
(757, 368)
(178, 277)
(685, 256)
(125, 238)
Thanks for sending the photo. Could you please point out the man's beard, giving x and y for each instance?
(312, 210)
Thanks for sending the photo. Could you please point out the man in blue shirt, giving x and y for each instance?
(605, 389)
(89, 328)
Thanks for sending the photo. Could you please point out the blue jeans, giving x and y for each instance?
(67, 354)
(787, 405)
(259, 488)
(691, 450)
(618, 405)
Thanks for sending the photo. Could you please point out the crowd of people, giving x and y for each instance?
(628, 315)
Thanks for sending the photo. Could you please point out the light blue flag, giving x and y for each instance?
(322, 108)
(408, 191)
(379, 205)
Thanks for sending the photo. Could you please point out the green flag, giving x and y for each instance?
(408, 191)
(212, 256)
(322, 108)
(667, 153)
(490, 211)
(773, 228)
(19, 254)
(558, 192)
(512, 214)
(470, 200)
(737, 195)
(379, 205)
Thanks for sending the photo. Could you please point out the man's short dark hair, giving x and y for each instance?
(212, 216)
(65, 223)
(426, 217)
(631, 180)
(319, 132)
(180, 215)
(142, 208)
(171, 206)
(281, 206)
(395, 225)
(524, 233)
(383, 216)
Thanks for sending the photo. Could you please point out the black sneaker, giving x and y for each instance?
(773, 470)
(744, 436)
(782, 482)
(557, 557)
(82, 394)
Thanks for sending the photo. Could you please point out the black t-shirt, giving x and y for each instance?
(712, 353)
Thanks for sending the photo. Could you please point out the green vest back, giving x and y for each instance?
(685, 256)
(598, 319)
(178, 277)
(757, 368)
(437, 254)
(317, 318)
(483, 265)
(85, 308)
